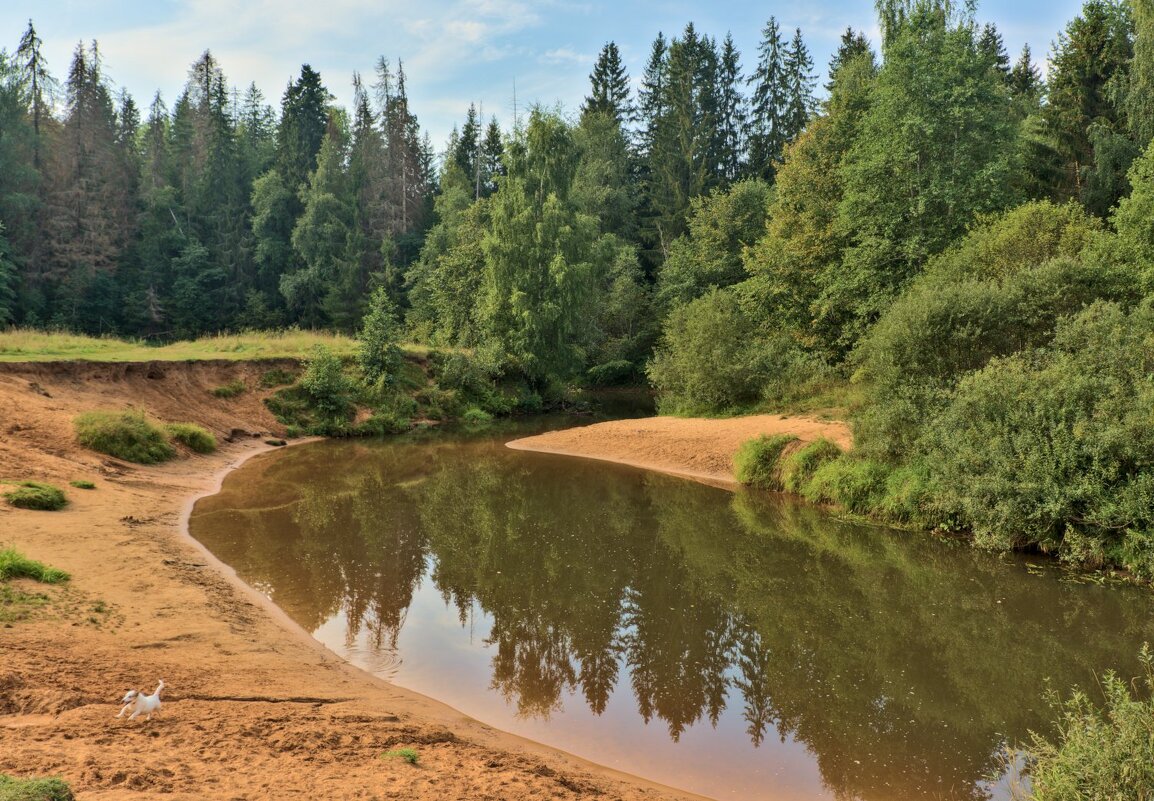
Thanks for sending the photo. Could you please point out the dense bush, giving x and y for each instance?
(938, 332)
(708, 361)
(192, 437)
(1103, 752)
(758, 461)
(1054, 448)
(325, 383)
(125, 435)
(14, 564)
(857, 484)
(13, 789)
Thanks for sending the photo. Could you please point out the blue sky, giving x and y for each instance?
(455, 51)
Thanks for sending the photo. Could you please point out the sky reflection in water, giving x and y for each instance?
(738, 645)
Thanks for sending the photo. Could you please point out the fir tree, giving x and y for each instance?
(609, 82)
(40, 85)
(732, 114)
(767, 109)
(800, 80)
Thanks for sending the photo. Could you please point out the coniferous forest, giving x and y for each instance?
(960, 245)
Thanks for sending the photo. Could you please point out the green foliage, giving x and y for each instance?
(410, 755)
(474, 416)
(326, 385)
(708, 361)
(80, 484)
(935, 148)
(276, 378)
(13, 789)
(757, 462)
(1053, 447)
(125, 435)
(1101, 751)
(230, 390)
(192, 436)
(378, 354)
(709, 255)
(36, 495)
(14, 564)
(852, 482)
(799, 467)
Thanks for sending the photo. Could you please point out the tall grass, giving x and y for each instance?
(36, 495)
(757, 461)
(14, 564)
(27, 345)
(125, 435)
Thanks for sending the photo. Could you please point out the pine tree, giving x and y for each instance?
(303, 122)
(767, 110)
(652, 100)
(1025, 80)
(852, 45)
(800, 80)
(40, 84)
(1089, 59)
(1140, 94)
(992, 46)
(732, 116)
(609, 82)
(492, 154)
(466, 153)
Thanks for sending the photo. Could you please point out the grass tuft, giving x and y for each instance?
(799, 467)
(230, 390)
(757, 461)
(14, 564)
(410, 755)
(51, 789)
(125, 435)
(36, 495)
(86, 485)
(192, 437)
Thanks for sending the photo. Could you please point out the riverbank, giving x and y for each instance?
(701, 449)
(254, 708)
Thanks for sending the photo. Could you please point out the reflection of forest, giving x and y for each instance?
(901, 663)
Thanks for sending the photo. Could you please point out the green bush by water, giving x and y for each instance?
(13, 789)
(757, 461)
(14, 564)
(1101, 752)
(36, 495)
(125, 435)
(192, 437)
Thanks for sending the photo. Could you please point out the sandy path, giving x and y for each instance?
(692, 447)
(254, 709)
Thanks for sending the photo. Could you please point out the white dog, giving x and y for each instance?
(141, 704)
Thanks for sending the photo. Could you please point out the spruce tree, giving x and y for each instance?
(1025, 80)
(767, 108)
(800, 80)
(39, 83)
(609, 86)
(732, 113)
(993, 47)
(852, 45)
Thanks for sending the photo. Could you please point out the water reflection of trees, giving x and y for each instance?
(902, 664)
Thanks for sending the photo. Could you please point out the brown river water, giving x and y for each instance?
(724, 643)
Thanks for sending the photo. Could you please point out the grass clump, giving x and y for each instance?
(36, 495)
(757, 461)
(276, 378)
(80, 484)
(410, 755)
(192, 437)
(798, 468)
(125, 435)
(14, 564)
(1100, 752)
(475, 416)
(230, 390)
(51, 789)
